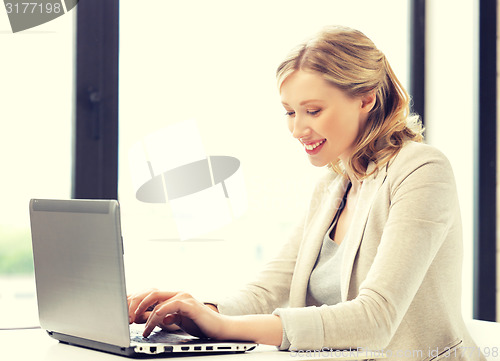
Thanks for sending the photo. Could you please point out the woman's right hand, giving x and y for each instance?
(133, 303)
(175, 310)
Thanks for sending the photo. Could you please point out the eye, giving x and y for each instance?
(313, 112)
(290, 113)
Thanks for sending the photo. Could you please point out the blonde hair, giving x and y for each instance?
(349, 60)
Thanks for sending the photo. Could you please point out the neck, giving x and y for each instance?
(355, 183)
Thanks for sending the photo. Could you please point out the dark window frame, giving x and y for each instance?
(417, 57)
(485, 164)
(95, 172)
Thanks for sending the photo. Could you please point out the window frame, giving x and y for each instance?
(95, 172)
(485, 163)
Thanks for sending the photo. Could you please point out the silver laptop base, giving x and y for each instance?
(136, 349)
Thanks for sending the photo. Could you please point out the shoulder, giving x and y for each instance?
(413, 153)
(419, 158)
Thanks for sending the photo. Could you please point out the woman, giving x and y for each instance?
(376, 263)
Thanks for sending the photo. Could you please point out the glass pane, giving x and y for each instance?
(456, 142)
(214, 62)
(35, 147)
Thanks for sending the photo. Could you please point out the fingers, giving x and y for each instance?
(170, 323)
(142, 318)
(170, 312)
(153, 321)
(153, 299)
(134, 301)
(149, 301)
(143, 302)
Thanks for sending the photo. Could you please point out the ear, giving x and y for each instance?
(368, 102)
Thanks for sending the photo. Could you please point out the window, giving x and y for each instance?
(455, 138)
(214, 62)
(36, 142)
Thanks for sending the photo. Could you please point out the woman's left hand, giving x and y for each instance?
(181, 309)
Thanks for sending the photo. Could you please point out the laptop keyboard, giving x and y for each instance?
(162, 337)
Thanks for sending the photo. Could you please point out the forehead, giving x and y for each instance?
(303, 85)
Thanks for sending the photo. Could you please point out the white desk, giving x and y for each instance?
(36, 345)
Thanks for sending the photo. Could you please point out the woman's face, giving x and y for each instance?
(322, 117)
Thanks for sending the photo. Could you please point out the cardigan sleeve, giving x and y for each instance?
(423, 206)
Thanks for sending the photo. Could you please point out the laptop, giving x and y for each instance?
(80, 283)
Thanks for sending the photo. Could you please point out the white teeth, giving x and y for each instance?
(315, 145)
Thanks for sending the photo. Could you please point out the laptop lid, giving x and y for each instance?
(79, 272)
(80, 282)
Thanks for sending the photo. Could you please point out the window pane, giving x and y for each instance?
(214, 62)
(35, 147)
(457, 141)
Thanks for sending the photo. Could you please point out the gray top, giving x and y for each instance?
(324, 283)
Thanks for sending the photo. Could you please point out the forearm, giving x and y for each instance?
(262, 329)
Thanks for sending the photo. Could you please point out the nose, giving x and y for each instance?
(299, 127)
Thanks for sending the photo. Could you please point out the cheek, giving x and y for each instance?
(289, 123)
(342, 127)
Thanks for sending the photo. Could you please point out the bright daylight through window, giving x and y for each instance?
(36, 147)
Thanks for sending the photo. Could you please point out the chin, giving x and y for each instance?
(318, 163)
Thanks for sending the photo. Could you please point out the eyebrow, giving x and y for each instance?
(305, 102)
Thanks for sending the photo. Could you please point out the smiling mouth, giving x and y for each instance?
(314, 145)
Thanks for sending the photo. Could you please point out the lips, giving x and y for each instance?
(314, 146)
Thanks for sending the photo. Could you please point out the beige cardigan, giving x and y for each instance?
(401, 268)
